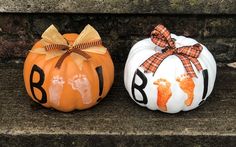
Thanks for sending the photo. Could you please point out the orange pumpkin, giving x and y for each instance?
(78, 83)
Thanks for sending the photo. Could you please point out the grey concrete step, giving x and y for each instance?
(117, 120)
(121, 6)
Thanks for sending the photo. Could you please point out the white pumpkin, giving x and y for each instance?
(169, 89)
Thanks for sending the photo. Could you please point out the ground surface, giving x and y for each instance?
(117, 117)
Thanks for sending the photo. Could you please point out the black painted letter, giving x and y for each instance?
(139, 87)
(38, 84)
(100, 78)
(206, 79)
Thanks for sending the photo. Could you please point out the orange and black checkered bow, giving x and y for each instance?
(187, 54)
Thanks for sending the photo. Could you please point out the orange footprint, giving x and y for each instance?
(164, 93)
(187, 85)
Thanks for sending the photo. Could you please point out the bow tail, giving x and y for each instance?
(196, 63)
(187, 65)
(153, 62)
(77, 51)
(61, 59)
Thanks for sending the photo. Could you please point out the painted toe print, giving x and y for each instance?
(164, 93)
(187, 85)
(56, 89)
(81, 84)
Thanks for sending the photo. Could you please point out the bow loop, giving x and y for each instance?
(191, 51)
(52, 36)
(162, 37)
(89, 34)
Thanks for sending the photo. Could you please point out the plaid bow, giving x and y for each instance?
(161, 37)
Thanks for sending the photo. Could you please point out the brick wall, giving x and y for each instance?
(18, 32)
(121, 23)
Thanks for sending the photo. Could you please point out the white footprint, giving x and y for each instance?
(55, 89)
(81, 84)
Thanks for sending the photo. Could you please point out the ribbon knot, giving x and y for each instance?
(55, 44)
(78, 49)
(187, 54)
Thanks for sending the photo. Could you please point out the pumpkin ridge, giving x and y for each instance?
(67, 74)
(48, 79)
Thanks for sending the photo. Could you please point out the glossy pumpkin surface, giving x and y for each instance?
(70, 87)
(169, 89)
